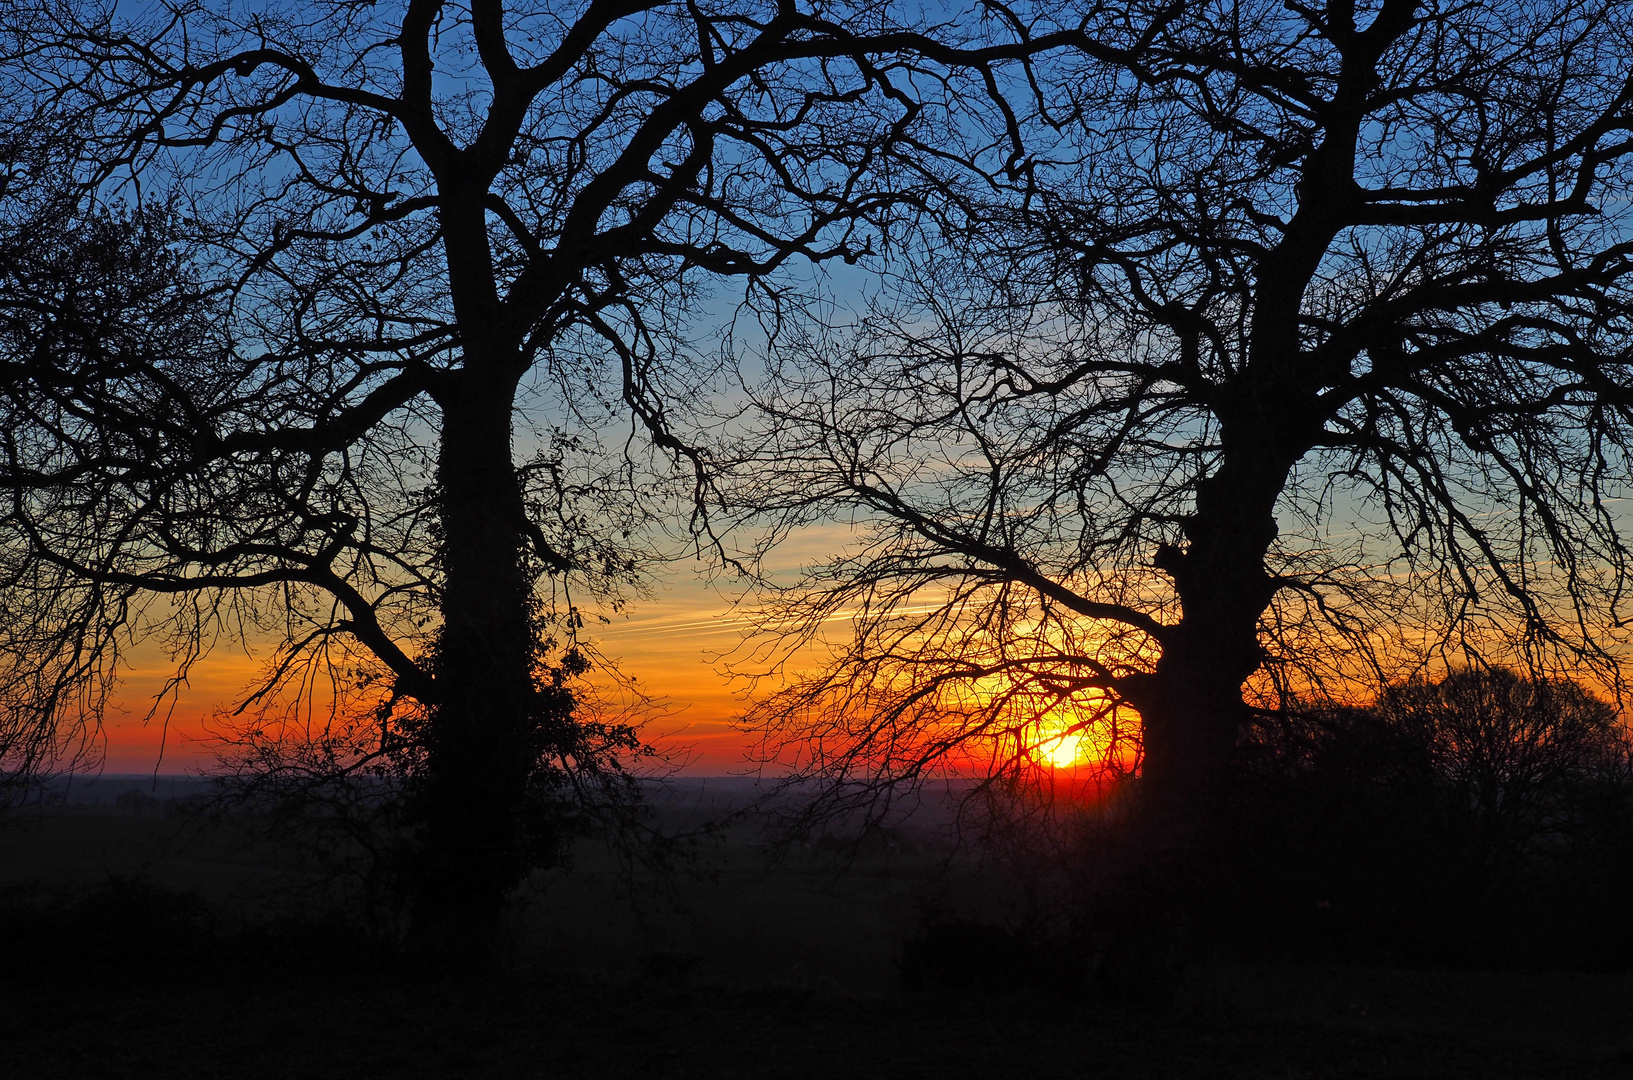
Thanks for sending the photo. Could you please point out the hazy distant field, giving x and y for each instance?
(748, 970)
(813, 918)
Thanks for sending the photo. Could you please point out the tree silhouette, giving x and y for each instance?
(381, 228)
(1514, 748)
(47, 694)
(1284, 343)
(1480, 816)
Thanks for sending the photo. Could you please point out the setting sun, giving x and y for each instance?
(1094, 733)
(1061, 750)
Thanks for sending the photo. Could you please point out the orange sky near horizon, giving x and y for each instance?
(670, 643)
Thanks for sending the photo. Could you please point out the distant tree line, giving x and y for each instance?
(1484, 818)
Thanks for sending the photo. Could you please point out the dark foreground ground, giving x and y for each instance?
(119, 958)
(1307, 1024)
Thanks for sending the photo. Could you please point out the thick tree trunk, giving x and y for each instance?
(1192, 706)
(472, 789)
(1159, 883)
(1191, 719)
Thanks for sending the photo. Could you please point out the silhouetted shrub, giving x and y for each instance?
(669, 966)
(136, 801)
(967, 955)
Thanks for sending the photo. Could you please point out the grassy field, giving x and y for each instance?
(748, 971)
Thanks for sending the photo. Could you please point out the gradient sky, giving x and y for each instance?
(670, 643)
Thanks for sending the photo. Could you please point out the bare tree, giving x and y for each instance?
(1285, 344)
(1515, 747)
(57, 651)
(394, 226)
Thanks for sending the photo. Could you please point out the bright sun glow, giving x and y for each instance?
(1083, 733)
(1062, 750)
